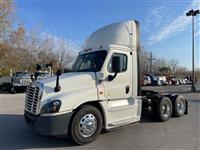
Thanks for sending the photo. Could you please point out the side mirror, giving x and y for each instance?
(116, 64)
(115, 67)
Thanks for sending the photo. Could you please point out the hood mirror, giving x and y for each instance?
(58, 73)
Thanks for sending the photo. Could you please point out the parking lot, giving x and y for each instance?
(177, 133)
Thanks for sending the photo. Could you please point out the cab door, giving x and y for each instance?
(118, 91)
(120, 86)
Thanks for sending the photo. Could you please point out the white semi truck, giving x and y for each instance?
(102, 91)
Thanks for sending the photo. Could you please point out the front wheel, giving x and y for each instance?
(13, 90)
(165, 109)
(86, 125)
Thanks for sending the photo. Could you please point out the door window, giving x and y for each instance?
(123, 62)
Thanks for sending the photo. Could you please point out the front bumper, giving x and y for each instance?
(19, 84)
(19, 87)
(56, 125)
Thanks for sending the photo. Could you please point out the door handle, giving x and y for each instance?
(127, 89)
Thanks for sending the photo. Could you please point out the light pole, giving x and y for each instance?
(193, 13)
(151, 60)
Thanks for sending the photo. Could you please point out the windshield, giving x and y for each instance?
(22, 74)
(41, 74)
(91, 62)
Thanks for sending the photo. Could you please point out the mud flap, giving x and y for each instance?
(186, 109)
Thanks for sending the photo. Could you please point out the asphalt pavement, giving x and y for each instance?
(175, 134)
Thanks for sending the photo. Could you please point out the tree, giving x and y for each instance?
(21, 50)
(65, 57)
(17, 37)
(6, 18)
(164, 70)
(173, 64)
(32, 45)
(4, 58)
(157, 64)
(181, 72)
(17, 53)
(144, 62)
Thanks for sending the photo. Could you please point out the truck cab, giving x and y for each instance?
(102, 90)
(20, 81)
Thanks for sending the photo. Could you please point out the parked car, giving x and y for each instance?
(182, 81)
(154, 80)
(147, 80)
(162, 80)
(172, 80)
(20, 81)
(17, 81)
(163, 83)
(188, 81)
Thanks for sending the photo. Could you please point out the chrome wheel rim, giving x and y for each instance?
(166, 109)
(87, 125)
(181, 106)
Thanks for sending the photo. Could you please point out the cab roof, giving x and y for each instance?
(122, 33)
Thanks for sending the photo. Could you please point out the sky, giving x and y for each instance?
(164, 28)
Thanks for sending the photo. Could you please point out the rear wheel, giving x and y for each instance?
(86, 125)
(165, 109)
(179, 106)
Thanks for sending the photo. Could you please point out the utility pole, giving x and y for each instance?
(151, 60)
(193, 13)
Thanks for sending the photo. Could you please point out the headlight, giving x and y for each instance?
(51, 107)
(16, 84)
(20, 81)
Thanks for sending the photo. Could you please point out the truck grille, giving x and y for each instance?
(32, 99)
(25, 82)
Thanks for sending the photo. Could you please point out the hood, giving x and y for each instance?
(69, 82)
(22, 77)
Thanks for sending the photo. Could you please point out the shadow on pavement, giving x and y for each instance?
(8, 92)
(3, 92)
(15, 134)
(194, 101)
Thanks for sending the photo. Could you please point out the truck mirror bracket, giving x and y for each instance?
(58, 88)
(112, 77)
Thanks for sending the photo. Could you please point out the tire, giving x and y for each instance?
(13, 91)
(179, 106)
(79, 132)
(164, 109)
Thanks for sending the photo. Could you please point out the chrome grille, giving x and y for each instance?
(32, 99)
(25, 82)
